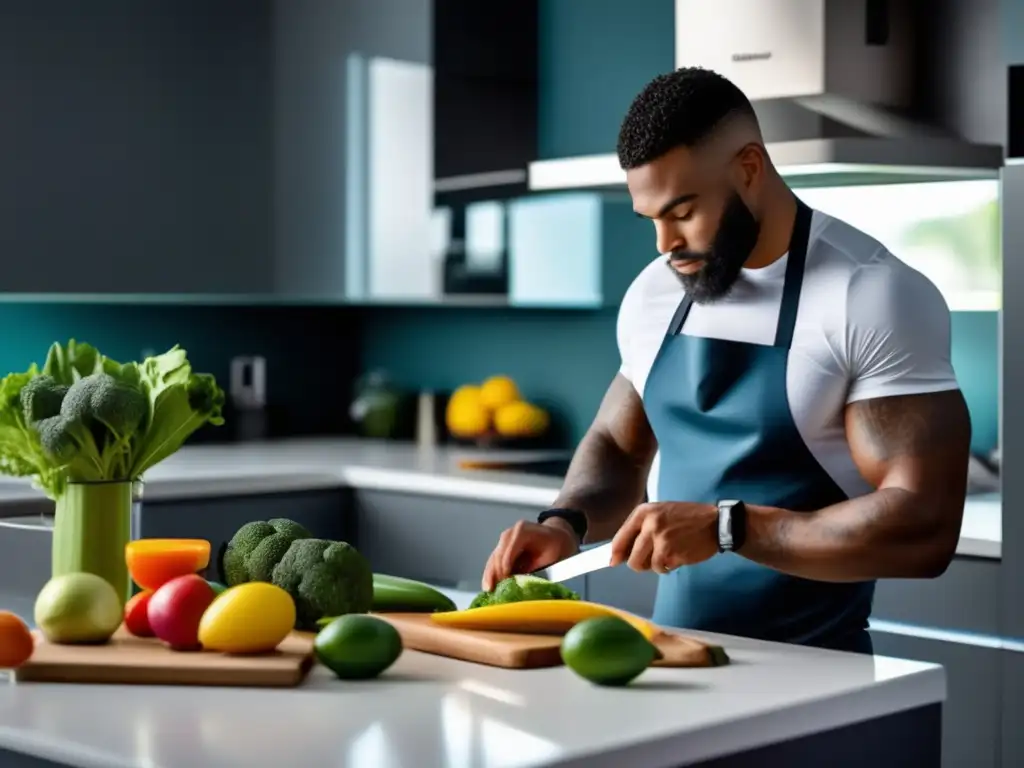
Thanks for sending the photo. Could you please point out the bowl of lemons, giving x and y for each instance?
(494, 414)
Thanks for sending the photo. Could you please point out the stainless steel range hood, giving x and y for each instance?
(847, 91)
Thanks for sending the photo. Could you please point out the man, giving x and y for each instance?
(786, 390)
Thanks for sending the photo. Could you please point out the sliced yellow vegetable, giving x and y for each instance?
(537, 617)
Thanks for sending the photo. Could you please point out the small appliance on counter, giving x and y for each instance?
(377, 408)
(248, 399)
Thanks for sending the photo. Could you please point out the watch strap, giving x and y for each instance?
(574, 517)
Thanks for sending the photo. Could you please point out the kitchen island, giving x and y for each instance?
(774, 705)
(418, 513)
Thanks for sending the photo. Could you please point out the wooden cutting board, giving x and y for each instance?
(132, 660)
(516, 651)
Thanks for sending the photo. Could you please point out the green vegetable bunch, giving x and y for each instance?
(516, 589)
(325, 578)
(84, 417)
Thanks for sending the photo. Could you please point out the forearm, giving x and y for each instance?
(891, 533)
(604, 482)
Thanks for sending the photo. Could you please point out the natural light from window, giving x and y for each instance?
(948, 230)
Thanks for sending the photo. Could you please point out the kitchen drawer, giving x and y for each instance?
(439, 540)
(25, 556)
(965, 597)
(327, 515)
(971, 713)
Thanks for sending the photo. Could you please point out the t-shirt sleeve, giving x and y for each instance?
(624, 326)
(897, 333)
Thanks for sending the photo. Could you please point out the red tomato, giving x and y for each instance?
(136, 615)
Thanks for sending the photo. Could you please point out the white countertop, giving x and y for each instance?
(307, 464)
(440, 713)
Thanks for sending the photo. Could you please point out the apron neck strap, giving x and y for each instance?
(791, 288)
(794, 275)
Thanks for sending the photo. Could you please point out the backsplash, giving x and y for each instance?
(566, 360)
(312, 353)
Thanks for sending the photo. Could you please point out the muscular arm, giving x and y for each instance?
(609, 469)
(914, 449)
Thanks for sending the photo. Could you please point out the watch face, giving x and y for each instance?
(724, 528)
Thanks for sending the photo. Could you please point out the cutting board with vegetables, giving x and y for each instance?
(133, 660)
(528, 651)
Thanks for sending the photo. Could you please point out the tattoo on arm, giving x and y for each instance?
(609, 469)
(914, 450)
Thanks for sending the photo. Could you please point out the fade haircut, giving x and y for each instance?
(678, 109)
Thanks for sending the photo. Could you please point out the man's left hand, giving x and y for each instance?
(663, 536)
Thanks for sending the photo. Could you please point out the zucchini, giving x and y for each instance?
(393, 593)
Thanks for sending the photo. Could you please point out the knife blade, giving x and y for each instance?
(585, 562)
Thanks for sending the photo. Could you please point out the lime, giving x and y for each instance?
(607, 650)
(357, 646)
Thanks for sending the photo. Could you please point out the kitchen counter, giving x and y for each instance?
(432, 712)
(309, 464)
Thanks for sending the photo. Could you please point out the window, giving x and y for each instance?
(947, 230)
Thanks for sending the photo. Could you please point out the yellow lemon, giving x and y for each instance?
(498, 391)
(467, 392)
(521, 419)
(250, 618)
(465, 415)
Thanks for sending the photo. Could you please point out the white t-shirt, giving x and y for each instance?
(868, 325)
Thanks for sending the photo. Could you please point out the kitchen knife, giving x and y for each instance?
(578, 565)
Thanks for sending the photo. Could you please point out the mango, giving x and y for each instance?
(249, 618)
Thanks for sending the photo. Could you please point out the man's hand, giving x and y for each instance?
(527, 547)
(664, 536)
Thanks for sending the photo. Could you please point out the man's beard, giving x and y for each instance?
(737, 235)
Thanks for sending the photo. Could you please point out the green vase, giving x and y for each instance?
(92, 525)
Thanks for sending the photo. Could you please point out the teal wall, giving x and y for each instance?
(594, 56)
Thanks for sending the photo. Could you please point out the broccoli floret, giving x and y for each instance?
(98, 416)
(101, 398)
(516, 589)
(257, 547)
(41, 398)
(325, 578)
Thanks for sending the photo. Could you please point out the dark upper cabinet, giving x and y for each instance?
(485, 97)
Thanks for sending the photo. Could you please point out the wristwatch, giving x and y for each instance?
(573, 517)
(732, 525)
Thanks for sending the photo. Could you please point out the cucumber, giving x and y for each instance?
(398, 595)
(393, 593)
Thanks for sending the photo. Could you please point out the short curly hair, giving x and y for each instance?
(681, 108)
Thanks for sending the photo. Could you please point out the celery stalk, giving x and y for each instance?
(93, 524)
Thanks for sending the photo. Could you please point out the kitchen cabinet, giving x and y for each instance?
(442, 541)
(971, 726)
(1012, 676)
(575, 250)
(965, 598)
(623, 588)
(25, 555)
(143, 161)
(26, 541)
(327, 515)
(485, 97)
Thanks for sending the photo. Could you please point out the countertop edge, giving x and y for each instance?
(923, 688)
